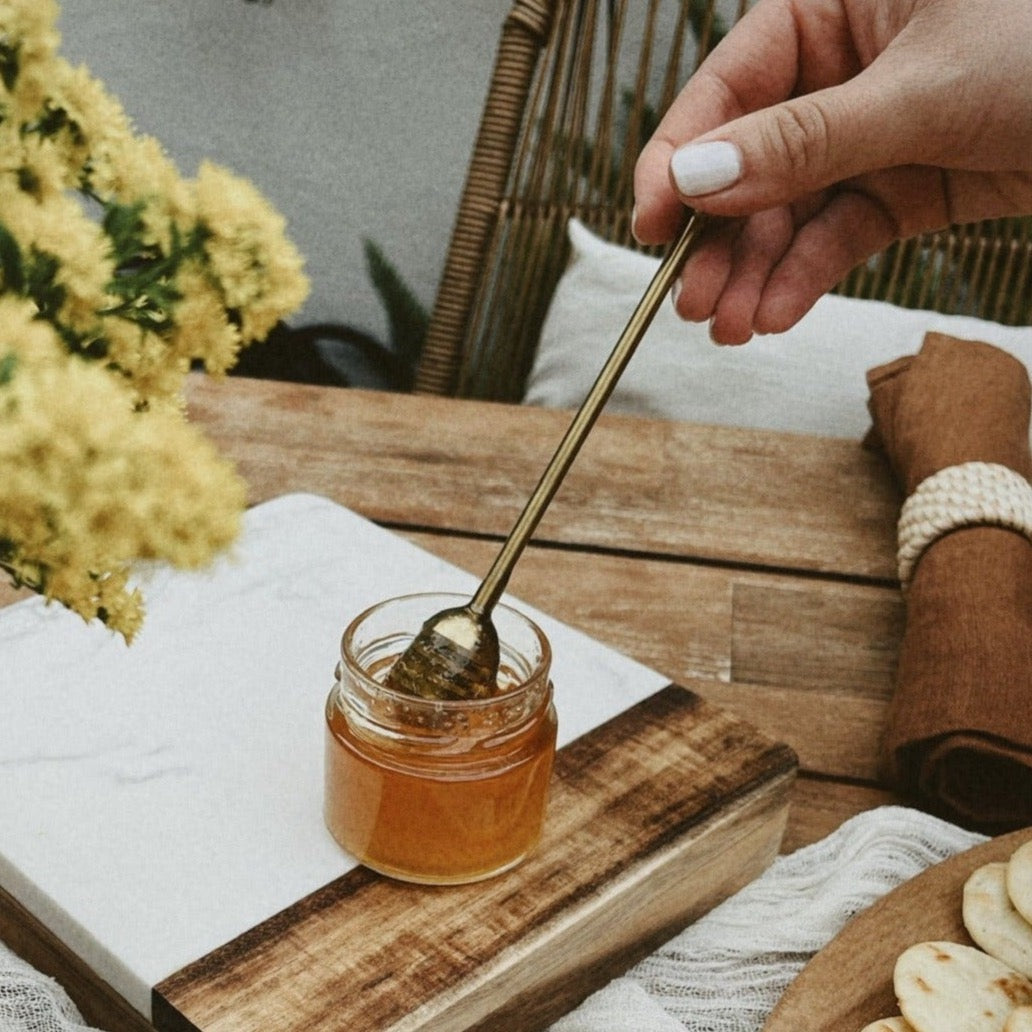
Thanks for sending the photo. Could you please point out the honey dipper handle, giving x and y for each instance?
(493, 585)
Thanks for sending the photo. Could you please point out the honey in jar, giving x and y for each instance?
(438, 791)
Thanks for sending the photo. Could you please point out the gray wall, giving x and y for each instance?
(355, 117)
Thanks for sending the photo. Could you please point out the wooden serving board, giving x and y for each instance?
(848, 984)
(655, 816)
(214, 898)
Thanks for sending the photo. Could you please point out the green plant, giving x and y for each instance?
(296, 352)
(396, 357)
(407, 318)
(116, 275)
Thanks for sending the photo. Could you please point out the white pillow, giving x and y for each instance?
(810, 379)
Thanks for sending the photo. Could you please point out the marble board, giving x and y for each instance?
(160, 805)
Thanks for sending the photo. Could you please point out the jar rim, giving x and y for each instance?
(526, 683)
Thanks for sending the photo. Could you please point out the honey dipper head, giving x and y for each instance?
(455, 655)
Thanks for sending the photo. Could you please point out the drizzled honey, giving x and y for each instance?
(438, 791)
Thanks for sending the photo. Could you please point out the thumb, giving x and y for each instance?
(776, 155)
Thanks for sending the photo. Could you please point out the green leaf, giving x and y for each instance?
(8, 364)
(10, 64)
(699, 11)
(407, 318)
(123, 225)
(11, 262)
(41, 284)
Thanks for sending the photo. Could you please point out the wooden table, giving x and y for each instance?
(755, 568)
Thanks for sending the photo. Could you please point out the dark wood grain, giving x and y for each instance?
(640, 485)
(809, 662)
(654, 817)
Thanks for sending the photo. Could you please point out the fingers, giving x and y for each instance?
(762, 274)
(727, 284)
(801, 146)
(658, 210)
(785, 106)
(706, 273)
(755, 65)
(826, 130)
(852, 227)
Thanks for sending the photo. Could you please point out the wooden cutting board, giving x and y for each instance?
(655, 817)
(218, 901)
(848, 984)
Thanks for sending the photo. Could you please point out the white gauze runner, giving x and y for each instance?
(32, 1002)
(726, 972)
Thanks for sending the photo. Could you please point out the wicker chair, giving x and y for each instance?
(575, 91)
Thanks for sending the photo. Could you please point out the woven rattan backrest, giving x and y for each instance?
(575, 92)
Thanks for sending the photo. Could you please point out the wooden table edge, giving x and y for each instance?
(690, 853)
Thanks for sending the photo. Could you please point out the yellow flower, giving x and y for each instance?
(116, 275)
(95, 126)
(203, 330)
(90, 486)
(44, 171)
(30, 24)
(140, 171)
(56, 228)
(257, 268)
(28, 42)
(144, 360)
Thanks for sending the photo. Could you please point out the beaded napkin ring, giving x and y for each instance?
(965, 495)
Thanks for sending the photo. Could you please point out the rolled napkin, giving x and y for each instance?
(953, 421)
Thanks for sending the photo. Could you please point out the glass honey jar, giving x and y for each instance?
(438, 791)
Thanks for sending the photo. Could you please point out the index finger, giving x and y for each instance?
(757, 64)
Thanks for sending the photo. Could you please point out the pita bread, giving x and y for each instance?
(894, 1025)
(1019, 880)
(945, 986)
(991, 920)
(1019, 1020)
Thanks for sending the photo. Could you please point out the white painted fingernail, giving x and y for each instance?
(675, 293)
(702, 168)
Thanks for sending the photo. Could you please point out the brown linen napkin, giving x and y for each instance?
(959, 731)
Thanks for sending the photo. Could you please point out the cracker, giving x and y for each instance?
(946, 987)
(992, 921)
(1019, 880)
(1019, 1020)
(895, 1025)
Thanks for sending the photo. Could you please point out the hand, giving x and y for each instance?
(826, 129)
